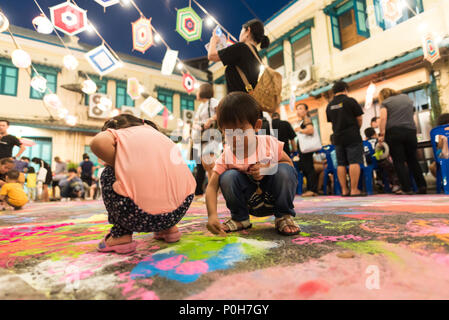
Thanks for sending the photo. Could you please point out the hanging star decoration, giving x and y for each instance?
(188, 24)
(142, 34)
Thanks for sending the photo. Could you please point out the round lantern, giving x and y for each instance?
(4, 23)
(39, 83)
(114, 113)
(52, 101)
(42, 25)
(70, 62)
(20, 58)
(89, 87)
(105, 101)
(71, 120)
(62, 113)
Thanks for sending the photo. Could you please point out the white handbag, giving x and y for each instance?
(42, 173)
(309, 143)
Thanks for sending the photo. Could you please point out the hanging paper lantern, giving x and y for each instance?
(4, 22)
(114, 113)
(169, 62)
(20, 58)
(142, 34)
(392, 10)
(133, 88)
(188, 82)
(27, 142)
(62, 113)
(39, 83)
(188, 24)
(430, 48)
(106, 102)
(71, 120)
(102, 60)
(89, 87)
(70, 62)
(42, 25)
(151, 107)
(68, 18)
(51, 100)
(107, 3)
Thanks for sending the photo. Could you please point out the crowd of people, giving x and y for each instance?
(147, 187)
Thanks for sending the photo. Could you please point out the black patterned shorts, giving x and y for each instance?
(126, 217)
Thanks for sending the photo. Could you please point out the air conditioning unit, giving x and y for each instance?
(302, 76)
(131, 110)
(95, 110)
(187, 116)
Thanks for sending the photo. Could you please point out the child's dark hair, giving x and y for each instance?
(257, 32)
(374, 119)
(13, 174)
(370, 132)
(31, 170)
(123, 121)
(237, 107)
(340, 86)
(73, 170)
(206, 91)
(443, 119)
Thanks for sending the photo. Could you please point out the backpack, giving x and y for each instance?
(268, 89)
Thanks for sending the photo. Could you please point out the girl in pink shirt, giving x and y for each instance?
(146, 186)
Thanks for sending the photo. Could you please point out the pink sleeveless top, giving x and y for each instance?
(150, 170)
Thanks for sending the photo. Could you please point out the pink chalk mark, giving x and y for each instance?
(192, 267)
(143, 294)
(169, 263)
(310, 288)
(320, 239)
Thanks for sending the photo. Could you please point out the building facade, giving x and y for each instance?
(316, 42)
(24, 107)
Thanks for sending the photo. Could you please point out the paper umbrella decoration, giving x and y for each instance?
(102, 60)
(188, 24)
(68, 18)
(188, 82)
(142, 34)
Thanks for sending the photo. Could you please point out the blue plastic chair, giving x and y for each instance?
(300, 176)
(366, 176)
(442, 164)
(190, 163)
(330, 169)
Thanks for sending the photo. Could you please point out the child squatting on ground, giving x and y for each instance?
(12, 193)
(254, 173)
(146, 187)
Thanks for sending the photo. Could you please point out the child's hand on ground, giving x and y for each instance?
(214, 226)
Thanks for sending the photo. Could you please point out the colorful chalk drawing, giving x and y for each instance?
(321, 239)
(198, 255)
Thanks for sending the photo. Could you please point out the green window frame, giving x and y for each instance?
(187, 103)
(9, 76)
(166, 98)
(102, 87)
(360, 14)
(49, 73)
(406, 14)
(121, 95)
(297, 37)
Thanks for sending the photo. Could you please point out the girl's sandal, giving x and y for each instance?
(286, 221)
(120, 248)
(233, 225)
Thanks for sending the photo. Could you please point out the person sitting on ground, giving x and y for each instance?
(71, 185)
(254, 173)
(6, 164)
(58, 174)
(146, 185)
(12, 193)
(385, 165)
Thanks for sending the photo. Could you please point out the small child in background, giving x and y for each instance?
(31, 179)
(12, 193)
(254, 173)
(146, 186)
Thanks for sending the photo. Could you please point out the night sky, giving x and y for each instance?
(115, 24)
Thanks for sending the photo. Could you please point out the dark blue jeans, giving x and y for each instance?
(237, 189)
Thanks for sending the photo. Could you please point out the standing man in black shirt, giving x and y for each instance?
(7, 142)
(286, 134)
(345, 114)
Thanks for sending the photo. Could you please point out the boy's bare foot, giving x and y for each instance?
(116, 241)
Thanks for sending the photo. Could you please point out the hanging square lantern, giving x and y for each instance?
(133, 88)
(430, 48)
(392, 10)
(169, 62)
(102, 60)
(188, 82)
(142, 34)
(188, 24)
(68, 18)
(107, 3)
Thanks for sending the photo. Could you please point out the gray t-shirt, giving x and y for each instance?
(400, 112)
(60, 168)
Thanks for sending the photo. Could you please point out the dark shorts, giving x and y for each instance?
(87, 179)
(48, 178)
(351, 154)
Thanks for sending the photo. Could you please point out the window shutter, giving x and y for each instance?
(361, 18)
(379, 14)
(336, 37)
